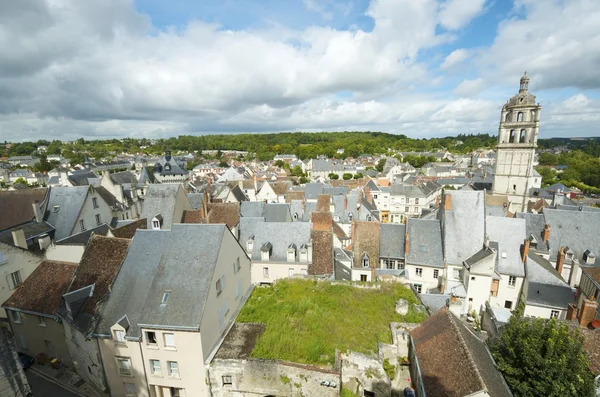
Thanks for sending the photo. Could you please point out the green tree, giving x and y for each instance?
(347, 176)
(546, 158)
(333, 176)
(542, 357)
(358, 175)
(21, 181)
(280, 163)
(303, 180)
(380, 165)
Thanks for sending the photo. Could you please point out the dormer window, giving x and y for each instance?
(589, 257)
(350, 216)
(291, 253)
(295, 216)
(165, 297)
(55, 209)
(157, 222)
(167, 167)
(569, 254)
(265, 251)
(303, 253)
(250, 244)
(365, 260)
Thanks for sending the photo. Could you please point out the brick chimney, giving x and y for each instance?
(560, 260)
(571, 312)
(368, 195)
(525, 250)
(406, 244)
(447, 201)
(587, 314)
(546, 233)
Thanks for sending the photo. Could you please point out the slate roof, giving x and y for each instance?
(280, 236)
(16, 206)
(425, 243)
(69, 200)
(128, 231)
(509, 233)
(252, 209)
(83, 237)
(99, 266)
(577, 229)
(391, 240)
(546, 286)
(80, 178)
(41, 292)
(123, 177)
(312, 190)
(464, 225)
(196, 200)
(160, 167)
(434, 302)
(31, 230)
(146, 177)
(181, 260)
(423, 189)
(442, 339)
(277, 212)
(162, 199)
(247, 228)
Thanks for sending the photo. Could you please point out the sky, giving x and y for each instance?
(155, 68)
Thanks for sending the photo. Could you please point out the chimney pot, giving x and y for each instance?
(406, 244)
(587, 314)
(546, 233)
(447, 201)
(560, 260)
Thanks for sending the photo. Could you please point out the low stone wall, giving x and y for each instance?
(256, 377)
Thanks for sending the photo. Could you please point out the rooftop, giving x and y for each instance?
(306, 320)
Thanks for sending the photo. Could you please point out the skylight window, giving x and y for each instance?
(165, 297)
(56, 208)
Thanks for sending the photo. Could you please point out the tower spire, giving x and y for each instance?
(524, 84)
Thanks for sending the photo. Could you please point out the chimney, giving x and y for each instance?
(36, 211)
(406, 244)
(587, 314)
(546, 233)
(203, 211)
(573, 274)
(571, 312)
(560, 260)
(345, 204)
(525, 250)
(447, 201)
(168, 155)
(368, 195)
(19, 239)
(208, 196)
(352, 230)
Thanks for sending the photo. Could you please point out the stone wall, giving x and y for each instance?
(12, 378)
(256, 377)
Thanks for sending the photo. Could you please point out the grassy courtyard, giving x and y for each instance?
(307, 320)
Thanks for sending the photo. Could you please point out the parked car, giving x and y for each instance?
(408, 392)
(26, 360)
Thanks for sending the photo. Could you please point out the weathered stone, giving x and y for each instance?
(402, 307)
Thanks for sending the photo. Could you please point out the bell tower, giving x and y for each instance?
(517, 141)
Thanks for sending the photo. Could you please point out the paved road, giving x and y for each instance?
(41, 387)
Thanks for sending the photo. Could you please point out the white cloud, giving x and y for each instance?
(99, 68)
(455, 57)
(469, 88)
(318, 7)
(454, 14)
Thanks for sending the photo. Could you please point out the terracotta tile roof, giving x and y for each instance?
(453, 361)
(41, 292)
(227, 213)
(16, 206)
(99, 265)
(192, 216)
(383, 182)
(591, 344)
(128, 231)
(294, 195)
(322, 253)
(323, 202)
(339, 232)
(366, 239)
(279, 188)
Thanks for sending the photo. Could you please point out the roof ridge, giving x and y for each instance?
(463, 344)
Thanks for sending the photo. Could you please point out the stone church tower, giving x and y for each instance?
(517, 141)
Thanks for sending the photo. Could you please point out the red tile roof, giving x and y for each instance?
(42, 291)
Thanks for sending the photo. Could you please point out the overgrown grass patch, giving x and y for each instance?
(307, 320)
